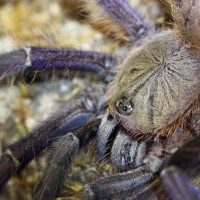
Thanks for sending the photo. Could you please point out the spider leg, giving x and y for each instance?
(63, 152)
(126, 16)
(187, 19)
(117, 184)
(184, 162)
(136, 158)
(151, 191)
(38, 58)
(74, 114)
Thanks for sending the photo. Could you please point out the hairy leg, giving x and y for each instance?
(38, 59)
(120, 184)
(184, 163)
(151, 191)
(19, 154)
(59, 162)
(122, 13)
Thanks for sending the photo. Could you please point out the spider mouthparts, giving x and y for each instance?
(104, 134)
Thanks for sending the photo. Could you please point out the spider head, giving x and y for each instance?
(151, 89)
(128, 112)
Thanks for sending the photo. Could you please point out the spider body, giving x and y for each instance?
(152, 109)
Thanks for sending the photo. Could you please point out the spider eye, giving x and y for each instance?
(124, 106)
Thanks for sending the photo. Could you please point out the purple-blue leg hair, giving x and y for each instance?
(118, 185)
(151, 191)
(175, 176)
(127, 17)
(38, 59)
(74, 114)
(62, 153)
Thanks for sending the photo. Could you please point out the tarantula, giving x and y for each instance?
(151, 112)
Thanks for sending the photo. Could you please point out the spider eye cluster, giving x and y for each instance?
(124, 106)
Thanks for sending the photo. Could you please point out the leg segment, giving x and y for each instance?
(178, 186)
(71, 116)
(152, 191)
(138, 158)
(46, 58)
(118, 184)
(63, 151)
(126, 16)
(184, 162)
(187, 18)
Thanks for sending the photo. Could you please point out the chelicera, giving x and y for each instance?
(151, 110)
